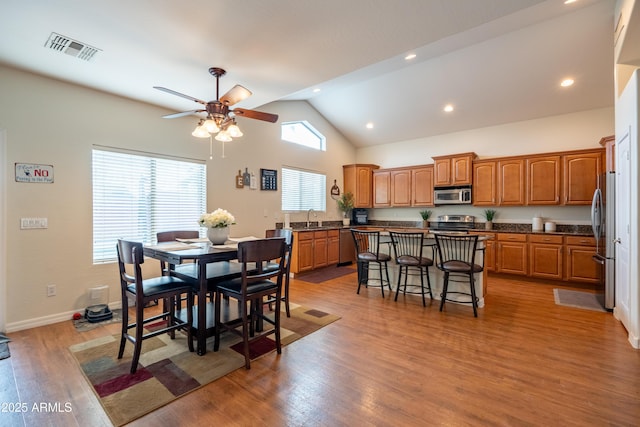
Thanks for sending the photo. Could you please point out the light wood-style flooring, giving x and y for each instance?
(523, 362)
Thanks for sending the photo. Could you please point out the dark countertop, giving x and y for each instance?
(561, 229)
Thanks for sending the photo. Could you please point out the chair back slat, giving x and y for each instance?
(254, 254)
(170, 236)
(366, 241)
(407, 244)
(461, 248)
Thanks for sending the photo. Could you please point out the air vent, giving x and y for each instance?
(67, 45)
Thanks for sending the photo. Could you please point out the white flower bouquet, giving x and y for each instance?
(217, 219)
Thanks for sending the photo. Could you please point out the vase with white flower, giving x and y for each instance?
(217, 223)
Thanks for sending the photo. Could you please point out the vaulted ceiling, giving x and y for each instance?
(495, 61)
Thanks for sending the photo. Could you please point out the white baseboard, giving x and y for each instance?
(48, 320)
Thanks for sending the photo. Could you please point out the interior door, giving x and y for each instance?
(623, 230)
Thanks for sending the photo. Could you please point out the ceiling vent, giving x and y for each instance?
(67, 45)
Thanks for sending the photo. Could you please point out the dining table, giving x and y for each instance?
(201, 263)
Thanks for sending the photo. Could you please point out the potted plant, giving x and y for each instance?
(489, 214)
(426, 214)
(345, 204)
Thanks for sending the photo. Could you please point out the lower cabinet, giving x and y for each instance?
(545, 256)
(579, 260)
(512, 253)
(314, 249)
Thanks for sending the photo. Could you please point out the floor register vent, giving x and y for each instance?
(72, 47)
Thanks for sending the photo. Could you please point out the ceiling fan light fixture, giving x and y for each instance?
(200, 131)
(223, 136)
(211, 126)
(234, 131)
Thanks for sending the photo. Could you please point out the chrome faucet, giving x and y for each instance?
(309, 213)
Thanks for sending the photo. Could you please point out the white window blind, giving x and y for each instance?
(135, 196)
(303, 190)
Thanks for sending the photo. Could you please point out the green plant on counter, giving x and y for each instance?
(426, 215)
(346, 203)
(489, 214)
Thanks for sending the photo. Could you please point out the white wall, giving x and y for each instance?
(55, 123)
(556, 133)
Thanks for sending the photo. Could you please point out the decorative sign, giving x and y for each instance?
(268, 179)
(27, 172)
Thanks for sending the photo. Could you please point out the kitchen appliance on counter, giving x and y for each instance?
(360, 216)
(461, 223)
(603, 225)
(452, 196)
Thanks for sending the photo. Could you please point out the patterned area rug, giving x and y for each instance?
(168, 370)
(579, 299)
(326, 273)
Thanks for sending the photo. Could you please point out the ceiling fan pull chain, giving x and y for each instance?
(210, 147)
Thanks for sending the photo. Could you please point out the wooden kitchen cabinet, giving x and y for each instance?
(358, 180)
(543, 180)
(512, 253)
(545, 256)
(511, 182)
(302, 252)
(580, 267)
(320, 243)
(453, 170)
(581, 172)
(333, 247)
(395, 187)
(381, 188)
(484, 183)
(489, 249)
(422, 186)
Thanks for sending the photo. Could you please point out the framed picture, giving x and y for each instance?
(269, 179)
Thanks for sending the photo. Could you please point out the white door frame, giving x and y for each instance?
(3, 230)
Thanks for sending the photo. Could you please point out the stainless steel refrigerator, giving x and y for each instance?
(603, 225)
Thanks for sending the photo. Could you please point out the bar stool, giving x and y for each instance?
(457, 255)
(368, 253)
(408, 249)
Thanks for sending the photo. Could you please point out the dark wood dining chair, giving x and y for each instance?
(288, 239)
(408, 248)
(172, 236)
(130, 256)
(457, 256)
(367, 255)
(249, 290)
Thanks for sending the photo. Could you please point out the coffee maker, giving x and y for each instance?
(360, 216)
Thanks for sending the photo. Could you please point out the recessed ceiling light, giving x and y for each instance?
(410, 56)
(448, 108)
(369, 125)
(566, 82)
(316, 90)
(569, 1)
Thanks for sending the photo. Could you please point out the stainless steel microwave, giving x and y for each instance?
(452, 196)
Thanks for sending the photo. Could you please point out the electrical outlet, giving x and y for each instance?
(51, 290)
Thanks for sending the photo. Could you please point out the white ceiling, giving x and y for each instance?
(497, 61)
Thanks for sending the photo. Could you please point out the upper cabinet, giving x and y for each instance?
(403, 187)
(358, 180)
(453, 170)
(562, 178)
(485, 183)
(422, 185)
(581, 172)
(543, 174)
(511, 182)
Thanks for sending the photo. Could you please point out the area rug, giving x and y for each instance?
(579, 299)
(168, 370)
(327, 273)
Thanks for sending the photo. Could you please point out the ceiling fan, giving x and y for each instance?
(220, 118)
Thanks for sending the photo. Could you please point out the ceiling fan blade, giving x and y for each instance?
(235, 95)
(253, 114)
(182, 95)
(184, 113)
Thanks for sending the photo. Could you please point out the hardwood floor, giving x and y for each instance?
(523, 361)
